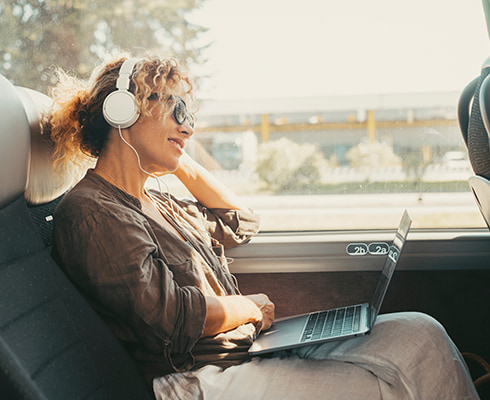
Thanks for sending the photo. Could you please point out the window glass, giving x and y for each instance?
(325, 115)
(337, 115)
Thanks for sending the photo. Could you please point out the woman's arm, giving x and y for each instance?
(223, 313)
(207, 190)
(228, 312)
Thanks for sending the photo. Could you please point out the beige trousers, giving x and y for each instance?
(406, 356)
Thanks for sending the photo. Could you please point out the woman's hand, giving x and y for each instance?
(225, 313)
(186, 162)
(267, 308)
(207, 189)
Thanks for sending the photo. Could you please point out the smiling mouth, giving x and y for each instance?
(179, 142)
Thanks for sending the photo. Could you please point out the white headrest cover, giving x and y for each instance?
(14, 144)
(44, 184)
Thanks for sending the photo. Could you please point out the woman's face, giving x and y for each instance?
(160, 140)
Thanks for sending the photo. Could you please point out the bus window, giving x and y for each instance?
(325, 115)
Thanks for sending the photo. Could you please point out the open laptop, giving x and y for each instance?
(338, 323)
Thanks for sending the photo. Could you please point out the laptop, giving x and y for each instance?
(339, 323)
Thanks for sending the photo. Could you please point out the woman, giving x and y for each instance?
(154, 267)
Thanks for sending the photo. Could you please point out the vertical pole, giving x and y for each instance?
(265, 128)
(371, 126)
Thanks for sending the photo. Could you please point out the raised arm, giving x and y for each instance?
(207, 190)
(225, 312)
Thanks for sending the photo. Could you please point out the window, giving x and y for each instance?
(309, 168)
(325, 115)
(345, 112)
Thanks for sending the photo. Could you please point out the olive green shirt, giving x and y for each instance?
(144, 280)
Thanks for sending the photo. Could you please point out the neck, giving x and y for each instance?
(122, 176)
(118, 164)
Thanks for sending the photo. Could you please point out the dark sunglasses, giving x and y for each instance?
(180, 112)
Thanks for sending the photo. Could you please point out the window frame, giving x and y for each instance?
(435, 249)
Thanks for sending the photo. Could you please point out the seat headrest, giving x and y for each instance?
(44, 184)
(474, 120)
(14, 144)
(25, 153)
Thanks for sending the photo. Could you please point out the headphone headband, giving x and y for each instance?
(125, 72)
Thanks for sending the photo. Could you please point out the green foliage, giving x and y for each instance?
(285, 166)
(77, 34)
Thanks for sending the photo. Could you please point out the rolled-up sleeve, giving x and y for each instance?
(230, 227)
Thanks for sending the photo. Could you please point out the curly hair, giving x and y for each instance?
(76, 123)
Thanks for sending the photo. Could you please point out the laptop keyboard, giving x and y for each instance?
(329, 323)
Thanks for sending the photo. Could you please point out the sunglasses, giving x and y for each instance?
(180, 112)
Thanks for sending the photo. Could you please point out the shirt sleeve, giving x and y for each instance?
(113, 258)
(230, 227)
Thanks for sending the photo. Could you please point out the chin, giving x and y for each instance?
(162, 172)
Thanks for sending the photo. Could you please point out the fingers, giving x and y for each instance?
(267, 308)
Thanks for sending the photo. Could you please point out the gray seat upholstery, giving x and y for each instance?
(474, 122)
(52, 344)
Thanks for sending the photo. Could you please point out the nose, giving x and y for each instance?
(187, 129)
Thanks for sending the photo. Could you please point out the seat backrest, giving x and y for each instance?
(52, 344)
(474, 122)
(45, 186)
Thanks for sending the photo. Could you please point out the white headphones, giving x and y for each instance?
(119, 109)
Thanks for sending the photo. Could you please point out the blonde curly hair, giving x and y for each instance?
(76, 123)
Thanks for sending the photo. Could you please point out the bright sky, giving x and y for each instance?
(276, 48)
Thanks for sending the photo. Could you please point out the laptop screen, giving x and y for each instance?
(390, 264)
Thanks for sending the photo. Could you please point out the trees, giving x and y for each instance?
(76, 35)
(287, 167)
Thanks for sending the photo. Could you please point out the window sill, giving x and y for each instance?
(326, 251)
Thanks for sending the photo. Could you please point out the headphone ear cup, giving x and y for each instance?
(120, 110)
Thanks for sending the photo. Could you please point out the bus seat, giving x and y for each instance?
(52, 344)
(474, 123)
(45, 187)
